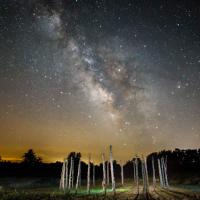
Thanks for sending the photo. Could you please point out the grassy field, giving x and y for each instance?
(47, 189)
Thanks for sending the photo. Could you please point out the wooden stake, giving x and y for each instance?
(122, 174)
(78, 175)
(66, 173)
(88, 175)
(70, 174)
(112, 170)
(134, 172)
(146, 174)
(108, 173)
(104, 174)
(93, 174)
(153, 174)
(165, 167)
(160, 173)
(137, 174)
(62, 179)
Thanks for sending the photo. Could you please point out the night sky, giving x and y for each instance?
(78, 75)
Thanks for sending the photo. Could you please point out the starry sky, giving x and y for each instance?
(78, 75)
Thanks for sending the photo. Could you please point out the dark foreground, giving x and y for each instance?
(126, 192)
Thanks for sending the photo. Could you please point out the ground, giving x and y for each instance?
(26, 190)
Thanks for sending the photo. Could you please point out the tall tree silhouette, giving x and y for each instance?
(30, 157)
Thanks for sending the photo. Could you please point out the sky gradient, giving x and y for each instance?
(80, 75)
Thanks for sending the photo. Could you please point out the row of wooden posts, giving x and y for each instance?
(67, 177)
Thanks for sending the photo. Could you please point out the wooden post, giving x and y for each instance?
(153, 173)
(108, 173)
(66, 173)
(137, 174)
(62, 179)
(112, 170)
(134, 172)
(70, 174)
(122, 174)
(88, 175)
(164, 172)
(165, 167)
(104, 174)
(93, 174)
(143, 176)
(78, 175)
(160, 173)
(146, 174)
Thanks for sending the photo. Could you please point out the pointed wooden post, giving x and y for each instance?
(134, 171)
(66, 173)
(153, 173)
(143, 176)
(165, 168)
(78, 175)
(108, 173)
(93, 174)
(164, 172)
(62, 179)
(70, 173)
(122, 174)
(137, 174)
(160, 173)
(104, 174)
(146, 174)
(88, 175)
(112, 170)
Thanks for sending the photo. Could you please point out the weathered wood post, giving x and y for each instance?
(88, 175)
(122, 174)
(137, 174)
(112, 170)
(164, 172)
(62, 178)
(134, 171)
(104, 174)
(78, 175)
(108, 173)
(93, 174)
(160, 173)
(145, 176)
(70, 173)
(66, 173)
(165, 167)
(146, 173)
(153, 173)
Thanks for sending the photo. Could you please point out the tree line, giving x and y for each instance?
(181, 163)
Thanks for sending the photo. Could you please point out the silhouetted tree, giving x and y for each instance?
(30, 157)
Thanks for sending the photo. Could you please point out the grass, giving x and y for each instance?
(44, 189)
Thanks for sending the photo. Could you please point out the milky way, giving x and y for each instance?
(77, 75)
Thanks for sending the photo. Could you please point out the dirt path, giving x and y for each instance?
(158, 194)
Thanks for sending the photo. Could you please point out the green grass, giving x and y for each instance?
(43, 189)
